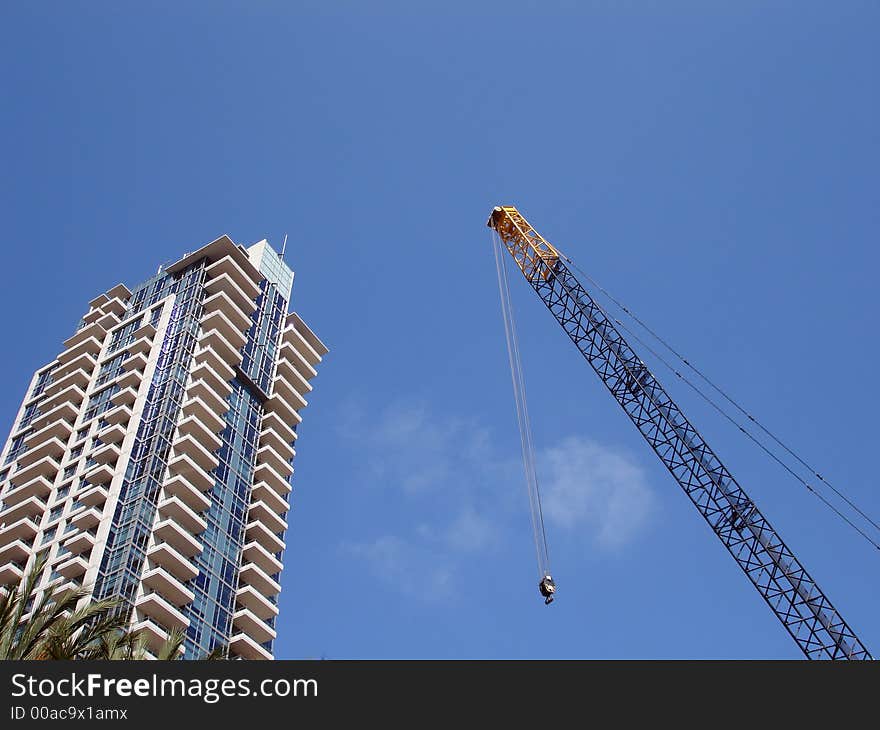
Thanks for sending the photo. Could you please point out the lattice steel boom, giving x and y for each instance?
(785, 585)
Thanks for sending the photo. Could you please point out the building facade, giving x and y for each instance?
(151, 459)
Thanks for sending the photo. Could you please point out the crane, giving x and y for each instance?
(793, 596)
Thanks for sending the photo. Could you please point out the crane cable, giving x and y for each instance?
(725, 414)
(522, 414)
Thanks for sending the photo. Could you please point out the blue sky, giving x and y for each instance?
(713, 164)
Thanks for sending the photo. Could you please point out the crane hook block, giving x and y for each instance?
(547, 588)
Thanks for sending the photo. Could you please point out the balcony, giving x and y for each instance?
(31, 507)
(206, 356)
(73, 567)
(286, 370)
(253, 575)
(60, 587)
(200, 410)
(262, 492)
(202, 390)
(93, 315)
(283, 409)
(227, 266)
(244, 646)
(156, 606)
(86, 518)
(79, 378)
(171, 589)
(121, 415)
(268, 455)
(165, 555)
(112, 301)
(45, 467)
(253, 626)
(80, 543)
(135, 362)
(116, 300)
(303, 329)
(124, 397)
(16, 551)
(265, 473)
(256, 602)
(99, 474)
(91, 329)
(58, 428)
(51, 447)
(274, 422)
(199, 454)
(64, 411)
(283, 388)
(24, 529)
(113, 433)
(38, 487)
(180, 487)
(255, 553)
(192, 426)
(71, 394)
(172, 533)
(98, 301)
(11, 573)
(107, 454)
(214, 340)
(271, 438)
(184, 516)
(145, 331)
(292, 336)
(225, 283)
(93, 496)
(221, 302)
(260, 511)
(154, 635)
(115, 305)
(85, 363)
(108, 320)
(130, 379)
(183, 466)
(259, 532)
(205, 371)
(289, 352)
(92, 346)
(141, 346)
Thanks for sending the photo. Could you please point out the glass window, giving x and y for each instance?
(43, 379)
(15, 448)
(30, 413)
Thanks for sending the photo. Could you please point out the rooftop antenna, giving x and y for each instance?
(283, 246)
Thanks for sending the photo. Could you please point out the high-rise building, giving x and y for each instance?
(151, 459)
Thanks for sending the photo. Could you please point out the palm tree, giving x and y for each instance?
(122, 645)
(171, 647)
(50, 626)
(57, 629)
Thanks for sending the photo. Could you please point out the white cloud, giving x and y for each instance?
(470, 531)
(586, 485)
(463, 496)
(409, 568)
(416, 449)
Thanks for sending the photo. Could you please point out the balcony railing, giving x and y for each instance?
(243, 645)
